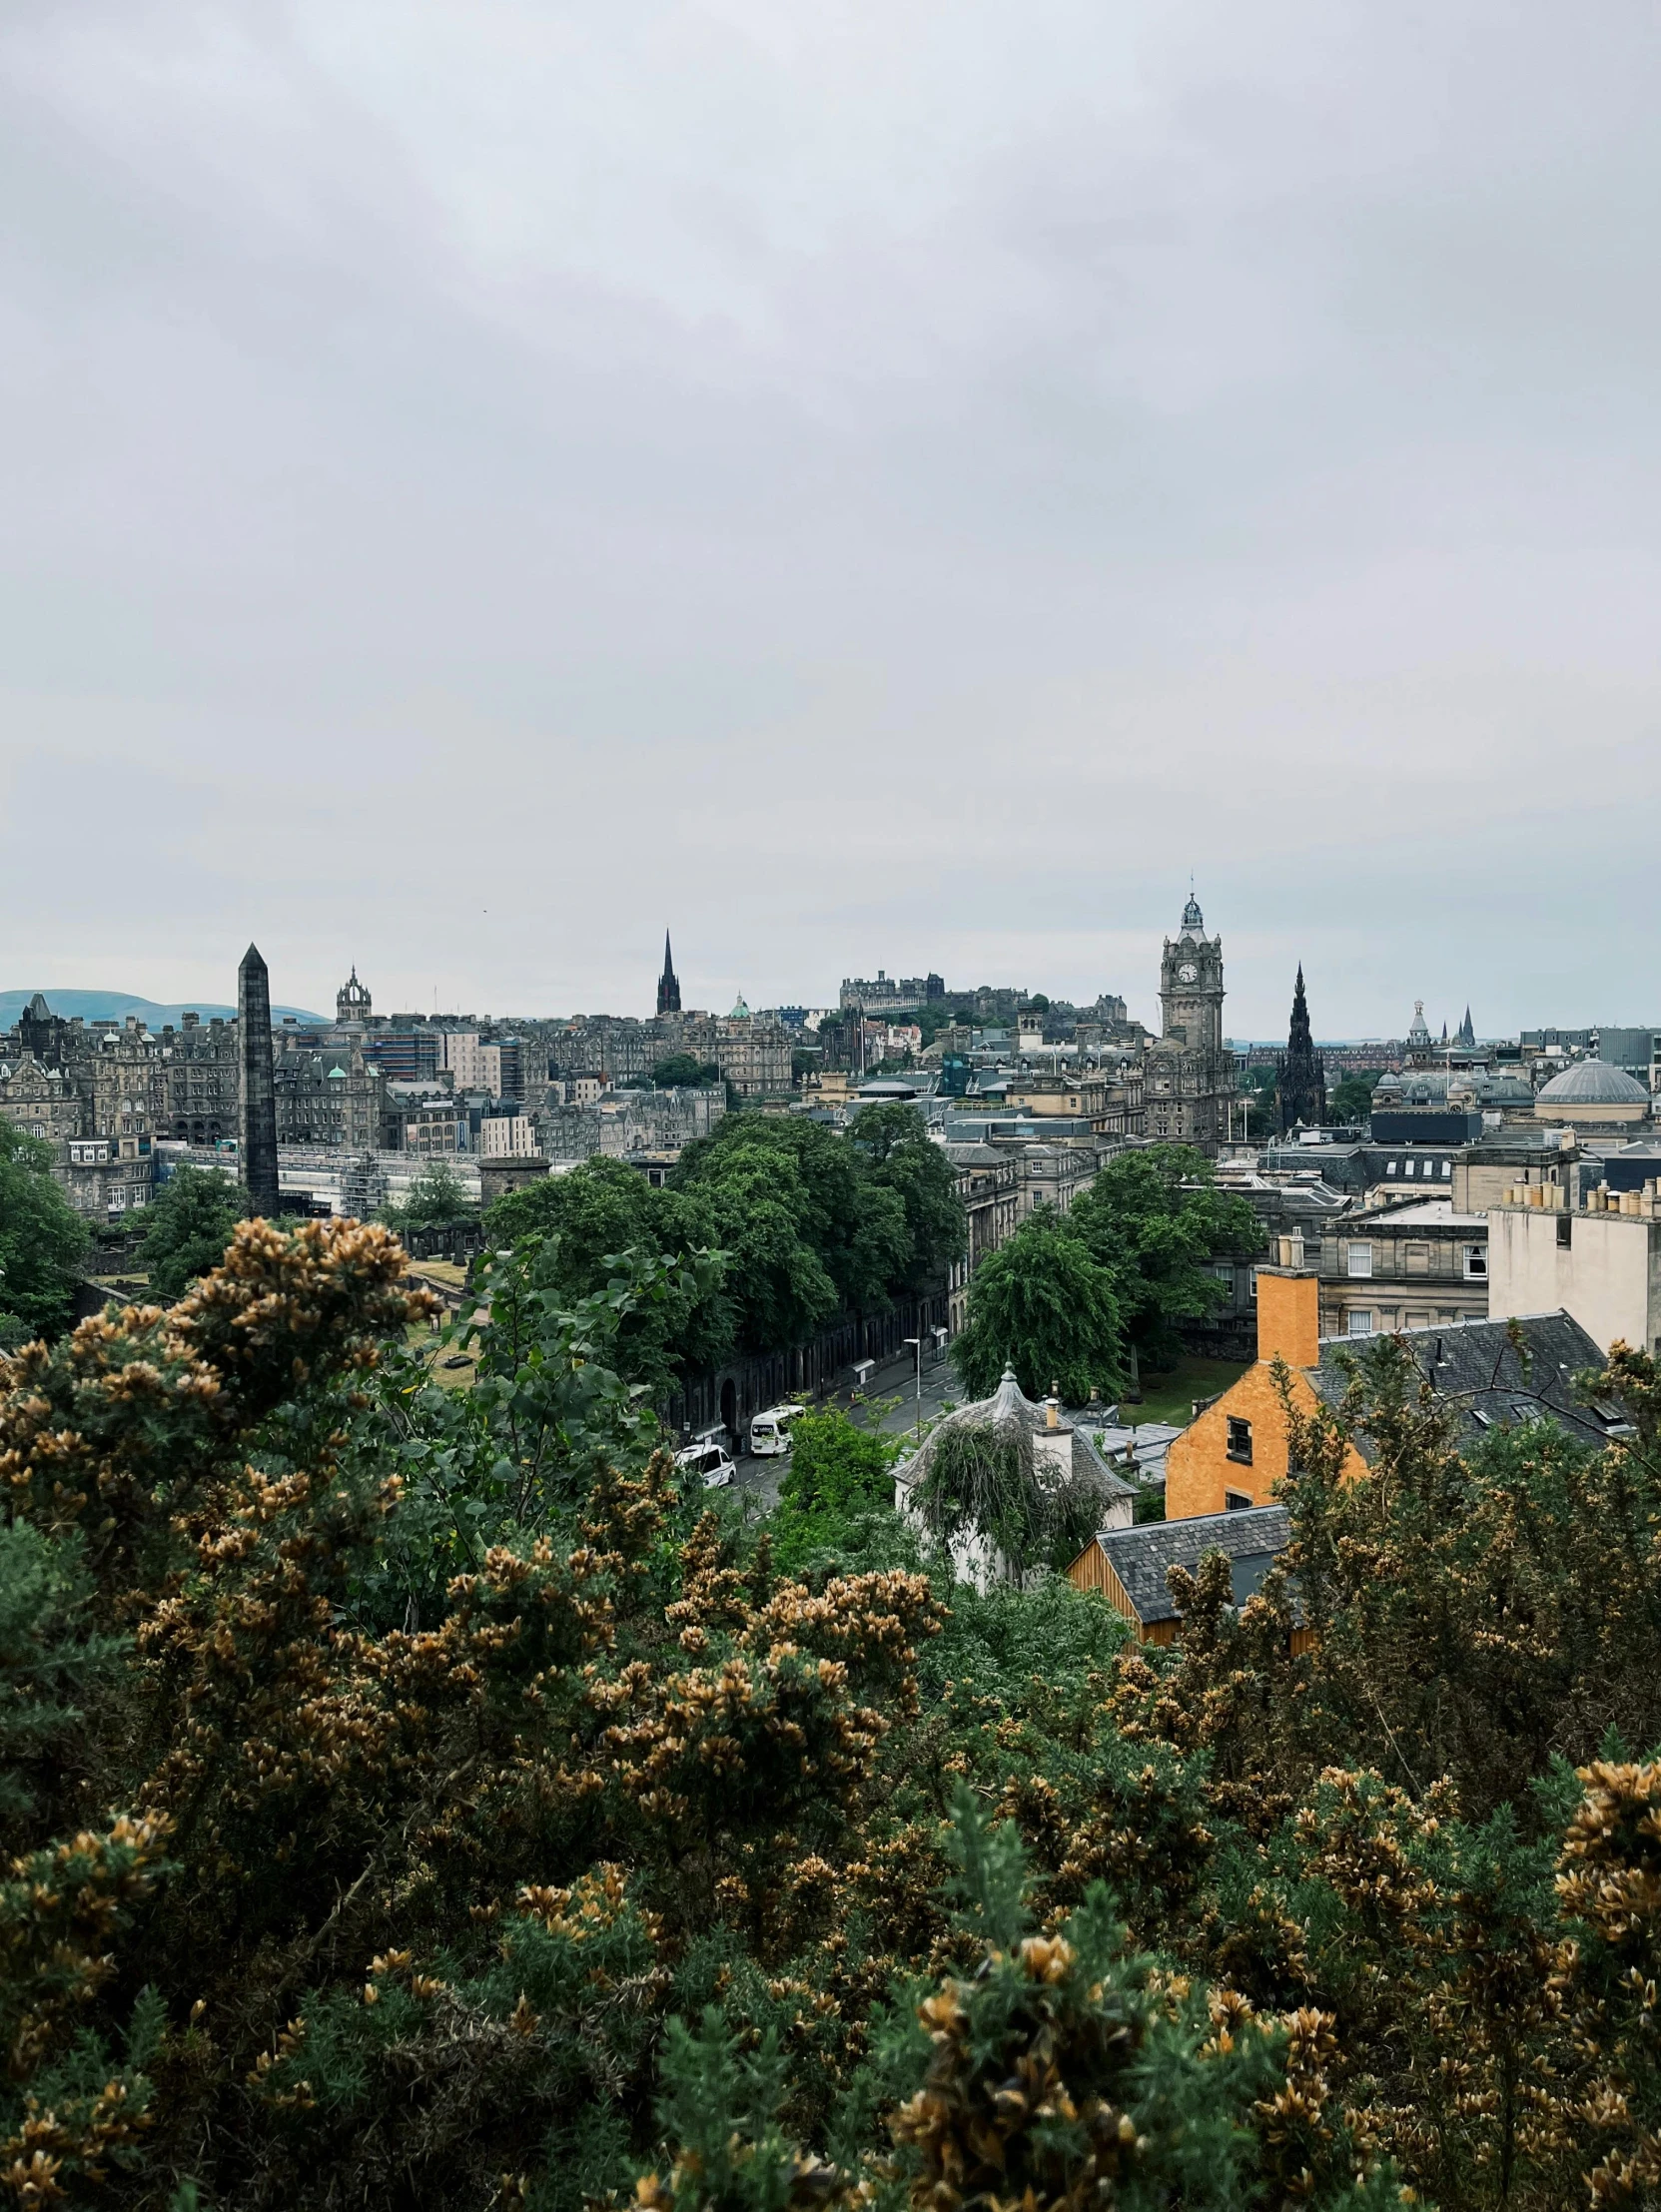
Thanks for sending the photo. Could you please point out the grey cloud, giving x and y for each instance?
(860, 484)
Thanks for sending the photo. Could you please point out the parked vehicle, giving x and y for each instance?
(709, 1461)
(770, 1431)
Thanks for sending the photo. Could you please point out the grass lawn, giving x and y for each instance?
(1170, 1397)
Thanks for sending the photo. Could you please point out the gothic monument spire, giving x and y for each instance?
(1300, 1086)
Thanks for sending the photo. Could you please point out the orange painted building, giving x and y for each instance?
(1235, 1453)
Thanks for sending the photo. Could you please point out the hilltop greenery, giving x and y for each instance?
(410, 1798)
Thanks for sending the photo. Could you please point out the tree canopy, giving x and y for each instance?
(1044, 1304)
(188, 1224)
(685, 1071)
(42, 1240)
(437, 1199)
(1351, 1099)
(1155, 1219)
(409, 1797)
(588, 1221)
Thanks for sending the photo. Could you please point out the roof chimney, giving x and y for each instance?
(1288, 1311)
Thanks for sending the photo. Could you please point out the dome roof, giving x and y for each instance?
(1593, 1082)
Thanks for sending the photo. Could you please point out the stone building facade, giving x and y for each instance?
(333, 1098)
(201, 1065)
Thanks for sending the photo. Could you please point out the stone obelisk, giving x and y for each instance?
(256, 1116)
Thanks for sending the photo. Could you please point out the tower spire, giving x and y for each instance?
(668, 984)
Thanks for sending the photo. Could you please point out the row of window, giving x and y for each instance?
(1474, 1260)
(1427, 1168)
(1361, 1321)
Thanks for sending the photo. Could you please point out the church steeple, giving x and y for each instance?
(668, 984)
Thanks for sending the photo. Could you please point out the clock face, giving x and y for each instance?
(1188, 972)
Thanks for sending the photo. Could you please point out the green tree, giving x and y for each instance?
(836, 1473)
(894, 1137)
(685, 1071)
(42, 1241)
(437, 1199)
(601, 1210)
(811, 1228)
(1351, 1099)
(1156, 1221)
(187, 1227)
(1044, 1304)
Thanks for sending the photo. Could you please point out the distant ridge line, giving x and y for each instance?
(115, 1006)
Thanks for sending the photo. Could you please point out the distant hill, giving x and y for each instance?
(115, 1006)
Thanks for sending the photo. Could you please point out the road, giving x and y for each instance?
(887, 1402)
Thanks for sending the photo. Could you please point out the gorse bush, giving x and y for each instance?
(408, 1797)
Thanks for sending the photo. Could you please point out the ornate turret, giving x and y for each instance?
(352, 1001)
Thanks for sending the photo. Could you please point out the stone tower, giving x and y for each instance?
(1190, 1083)
(257, 1114)
(1300, 1085)
(668, 984)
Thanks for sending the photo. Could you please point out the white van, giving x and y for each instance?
(709, 1461)
(770, 1431)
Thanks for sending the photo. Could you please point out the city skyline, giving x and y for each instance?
(860, 481)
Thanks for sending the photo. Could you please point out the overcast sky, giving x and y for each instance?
(860, 482)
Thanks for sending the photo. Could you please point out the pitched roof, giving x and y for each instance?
(1141, 1557)
(1009, 1412)
(1493, 1375)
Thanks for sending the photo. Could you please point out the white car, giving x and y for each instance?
(770, 1431)
(710, 1462)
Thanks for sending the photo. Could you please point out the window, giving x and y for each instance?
(1476, 1262)
(1395, 1167)
(1448, 1168)
(1240, 1440)
(1411, 1167)
(1361, 1259)
(1236, 1501)
(1565, 1231)
(1361, 1322)
(1253, 1282)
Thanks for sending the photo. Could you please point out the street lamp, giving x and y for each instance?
(917, 1342)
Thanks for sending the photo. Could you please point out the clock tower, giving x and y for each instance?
(1191, 984)
(1190, 1078)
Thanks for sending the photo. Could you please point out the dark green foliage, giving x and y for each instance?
(1351, 1099)
(49, 1660)
(437, 1199)
(187, 1227)
(42, 1241)
(602, 1209)
(1155, 1220)
(1044, 1304)
(836, 1474)
(361, 1847)
(813, 1227)
(685, 1070)
(894, 1138)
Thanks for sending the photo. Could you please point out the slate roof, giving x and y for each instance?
(1476, 1368)
(1139, 1557)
